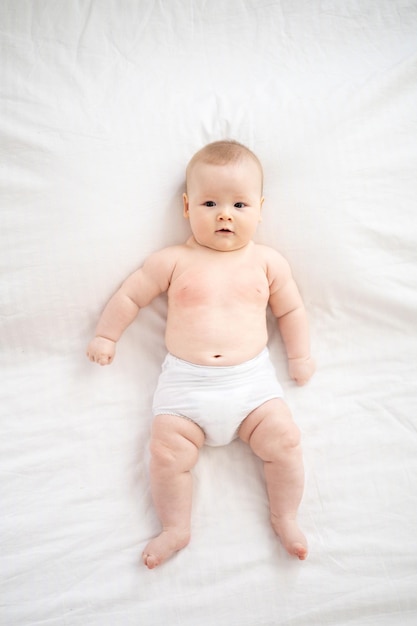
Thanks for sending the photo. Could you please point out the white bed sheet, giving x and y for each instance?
(102, 104)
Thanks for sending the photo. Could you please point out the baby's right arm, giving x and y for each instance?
(137, 291)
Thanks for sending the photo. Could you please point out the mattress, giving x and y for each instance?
(102, 105)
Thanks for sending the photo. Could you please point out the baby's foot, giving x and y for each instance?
(291, 536)
(160, 548)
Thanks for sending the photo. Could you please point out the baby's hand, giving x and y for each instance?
(101, 350)
(301, 369)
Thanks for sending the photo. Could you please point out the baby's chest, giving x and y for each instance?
(219, 287)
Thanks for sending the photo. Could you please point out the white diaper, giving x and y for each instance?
(216, 398)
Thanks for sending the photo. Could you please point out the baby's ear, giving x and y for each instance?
(185, 203)
(260, 207)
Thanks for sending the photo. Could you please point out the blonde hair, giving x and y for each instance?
(223, 152)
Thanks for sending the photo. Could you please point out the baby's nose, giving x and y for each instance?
(224, 214)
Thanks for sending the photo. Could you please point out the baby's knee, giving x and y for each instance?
(162, 453)
(171, 456)
(276, 439)
(290, 437)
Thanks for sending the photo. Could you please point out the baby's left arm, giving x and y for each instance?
(287, 306)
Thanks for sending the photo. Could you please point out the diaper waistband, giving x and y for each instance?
(211, 371)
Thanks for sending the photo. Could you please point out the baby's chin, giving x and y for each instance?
(223, 244)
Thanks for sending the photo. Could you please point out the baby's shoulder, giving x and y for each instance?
(276, 266)
(163, 261)
(270, 255)
(161, 265)
(168, 254)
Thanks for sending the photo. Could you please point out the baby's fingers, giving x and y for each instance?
(104, 359)
(101, 359)
(101, 350)
(301, 370)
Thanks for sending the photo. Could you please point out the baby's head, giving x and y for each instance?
(223, 201)
(225, 152)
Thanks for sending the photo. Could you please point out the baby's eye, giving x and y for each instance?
(209, 203)
(239, 205)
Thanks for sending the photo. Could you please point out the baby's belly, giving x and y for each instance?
(216, 337)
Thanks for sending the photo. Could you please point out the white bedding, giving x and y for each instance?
(102, 104)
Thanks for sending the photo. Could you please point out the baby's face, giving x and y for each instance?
(223, 203)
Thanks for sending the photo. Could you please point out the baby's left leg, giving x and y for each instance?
(275, 438)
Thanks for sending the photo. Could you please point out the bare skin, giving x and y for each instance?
(219, 284)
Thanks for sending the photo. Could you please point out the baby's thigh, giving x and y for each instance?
(271, 432)
(174, 438)
(269, 424)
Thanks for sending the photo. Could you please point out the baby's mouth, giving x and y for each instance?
(224, 230)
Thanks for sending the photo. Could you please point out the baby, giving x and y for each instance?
(217, 381)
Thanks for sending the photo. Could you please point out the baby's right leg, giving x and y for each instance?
(174, 449)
